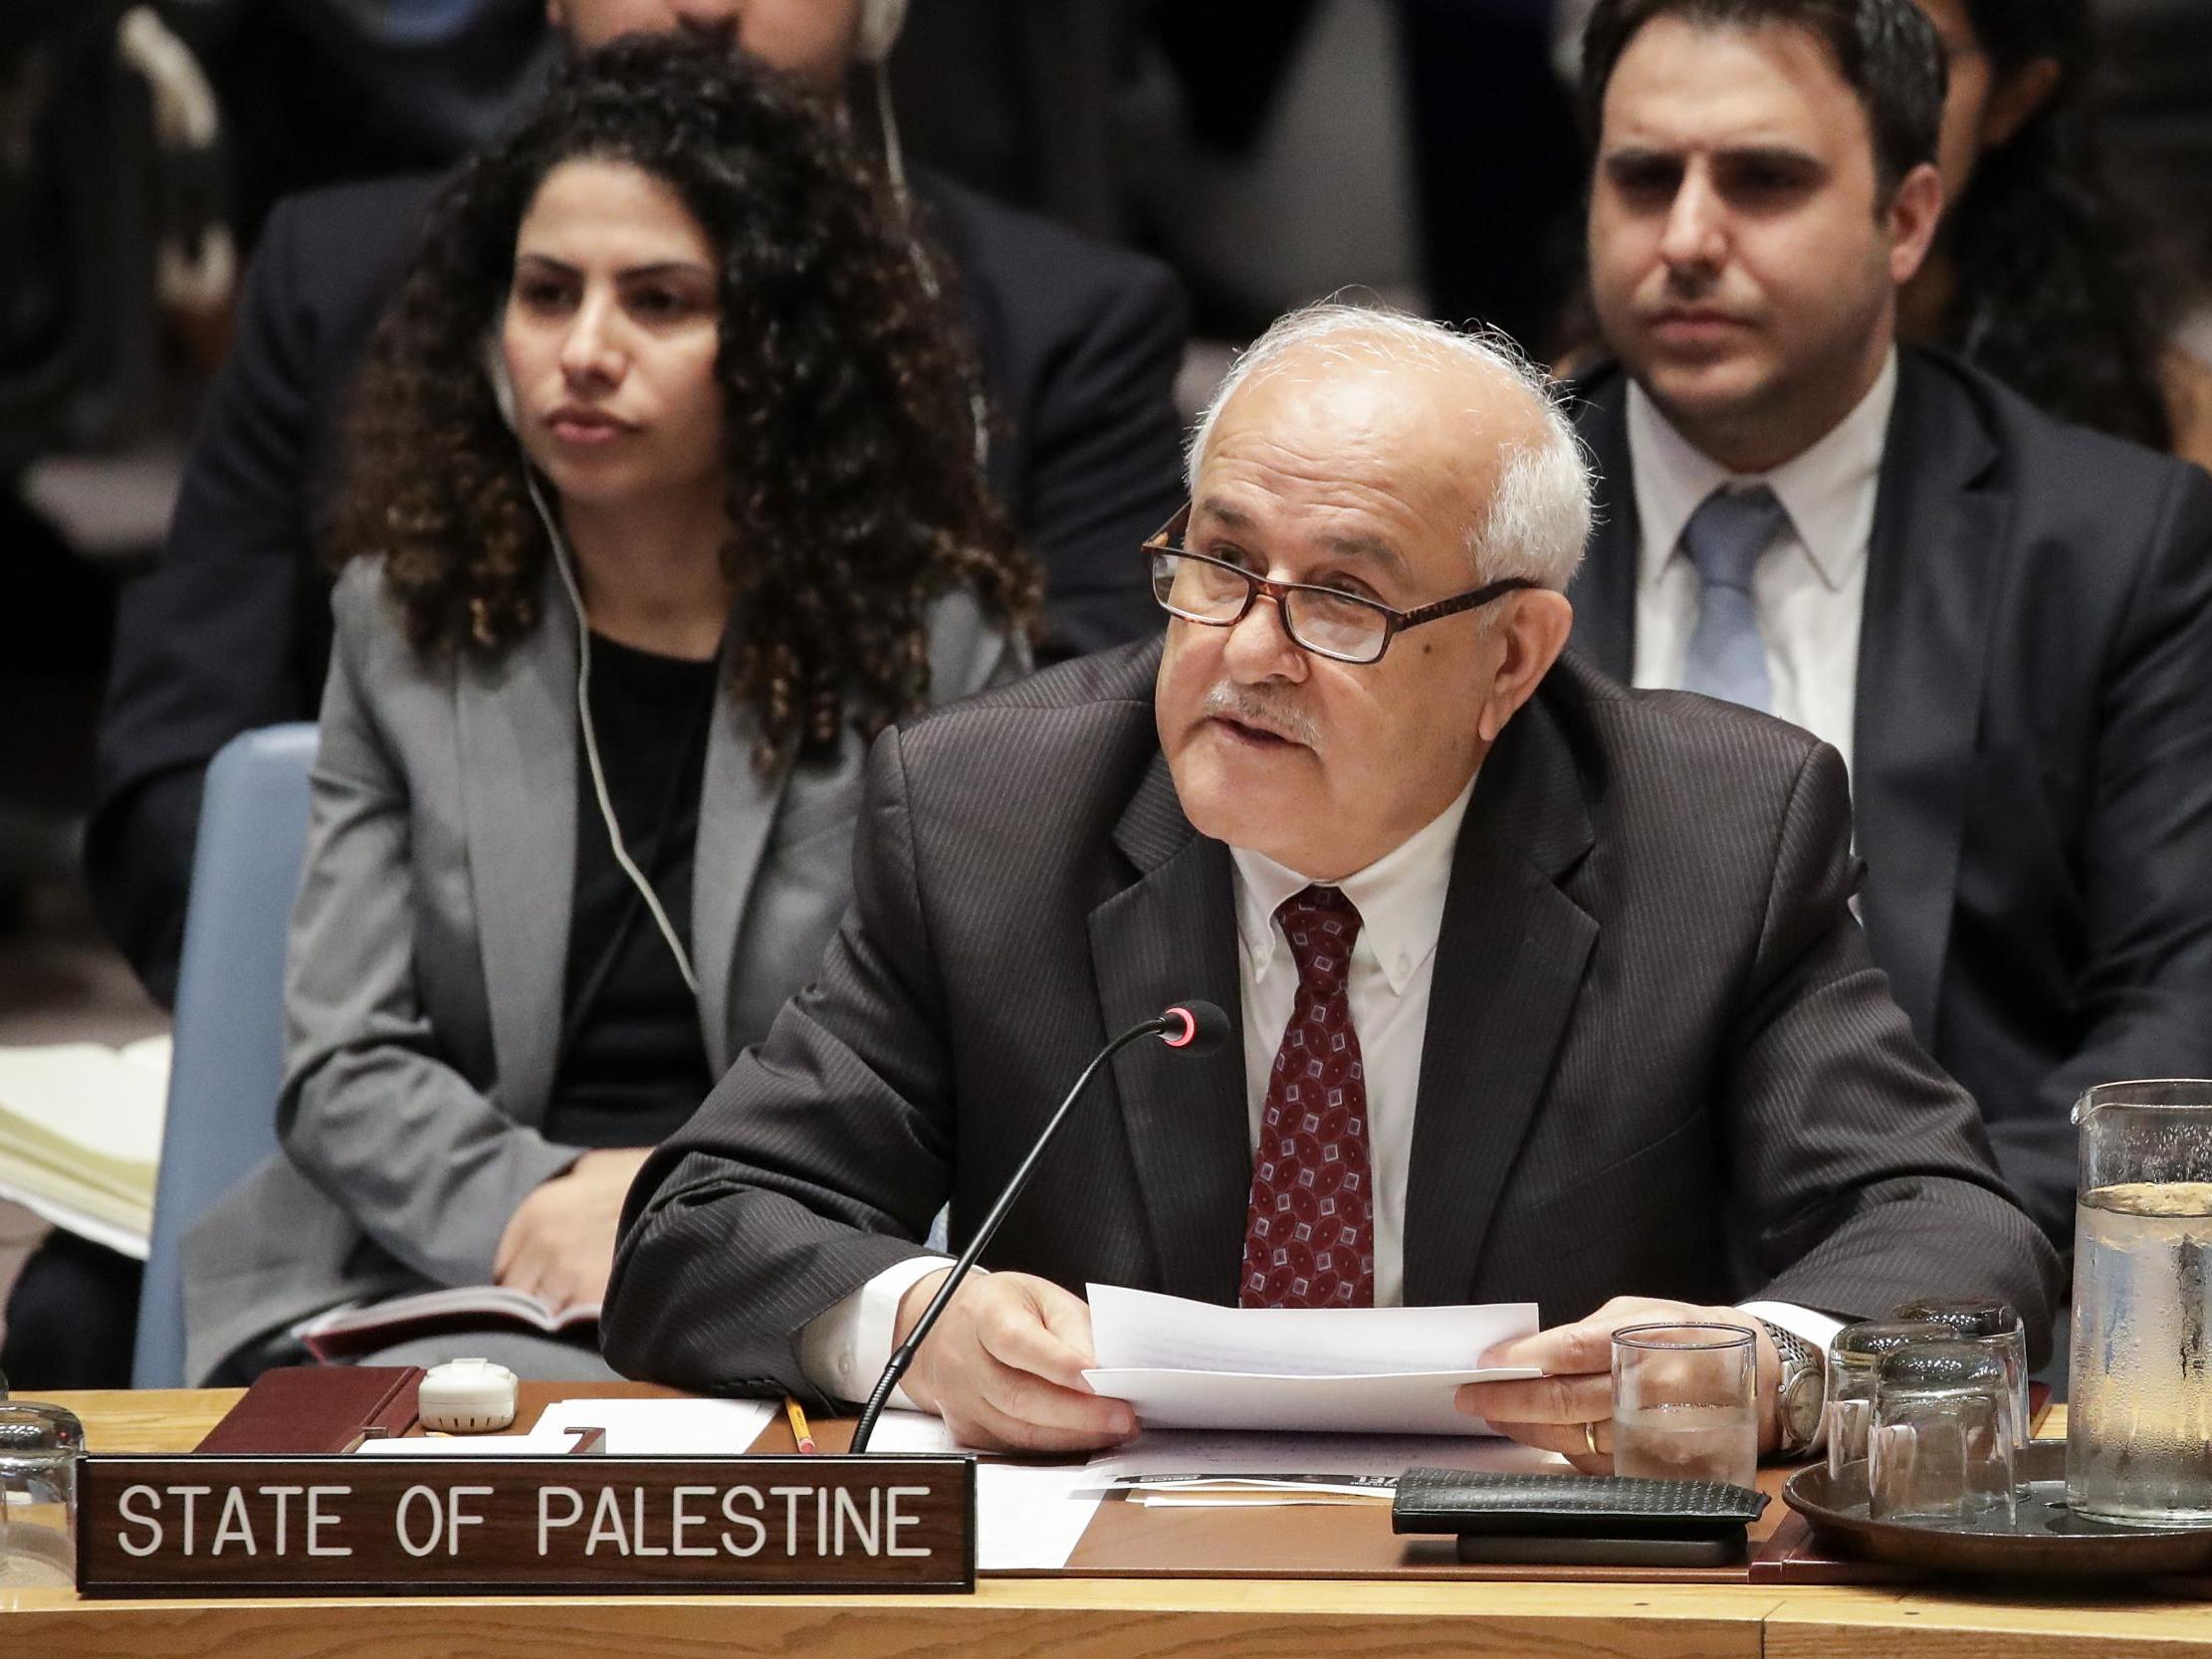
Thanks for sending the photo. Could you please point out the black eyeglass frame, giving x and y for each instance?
(1168, 542)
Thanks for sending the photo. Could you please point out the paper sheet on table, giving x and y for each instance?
(1379, 1370)
(1247, 1499)
(1144, 1331)
(1414, 1403)
(1028, 1516)
(663, 1428)
(467, 1445)
(1183, 1468)
(633, 1428)
(1162, 1453)
(914, 1431)
(1032, 1515)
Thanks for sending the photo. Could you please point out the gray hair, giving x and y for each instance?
(1538, 516)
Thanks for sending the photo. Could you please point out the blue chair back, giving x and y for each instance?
(229, 1060)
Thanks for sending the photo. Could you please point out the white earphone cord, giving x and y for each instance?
(591, 739)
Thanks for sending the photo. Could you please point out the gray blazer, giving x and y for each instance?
(429, 940)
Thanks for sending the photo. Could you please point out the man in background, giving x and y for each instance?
(2002, 622)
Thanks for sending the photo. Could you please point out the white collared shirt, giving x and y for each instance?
(1400, 898)
(1809, 588)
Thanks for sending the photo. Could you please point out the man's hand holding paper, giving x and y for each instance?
(1005, 1366)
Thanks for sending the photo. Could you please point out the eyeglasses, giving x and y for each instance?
(1343, 627)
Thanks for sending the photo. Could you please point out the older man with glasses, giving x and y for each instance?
(1547, 990)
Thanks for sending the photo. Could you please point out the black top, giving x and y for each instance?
(634, 1062)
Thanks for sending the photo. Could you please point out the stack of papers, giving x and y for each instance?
(1365, 1370)
(81, 1136)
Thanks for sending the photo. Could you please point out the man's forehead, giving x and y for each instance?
(1684, 87)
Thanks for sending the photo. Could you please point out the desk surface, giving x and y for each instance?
(1084, 1616)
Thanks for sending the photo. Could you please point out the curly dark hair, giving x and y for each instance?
(855, 493)
(2061, 291)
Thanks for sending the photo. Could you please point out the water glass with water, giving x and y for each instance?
(40, 1446)
(2139, 1444)
(1854, 1356)
(1940, 1446)
(1686, 1402)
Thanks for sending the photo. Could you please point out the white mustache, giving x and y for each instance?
(1243, 703)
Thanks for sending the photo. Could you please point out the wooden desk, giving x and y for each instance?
(1083, 1618)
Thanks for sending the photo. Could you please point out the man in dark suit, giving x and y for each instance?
(1079, 345)
(1596, 1021)
(2003, 622)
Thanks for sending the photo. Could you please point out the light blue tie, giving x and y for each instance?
(1725, 538)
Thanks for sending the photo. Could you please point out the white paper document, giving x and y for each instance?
(1032, 1515)
(1366, 1370)
(1199, 1454)
(663, 1427)
(631, 1428)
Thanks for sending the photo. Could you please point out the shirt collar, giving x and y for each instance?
(1828, 490)
(1400, 898)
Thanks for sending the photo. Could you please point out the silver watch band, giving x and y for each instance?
(1800, 1393)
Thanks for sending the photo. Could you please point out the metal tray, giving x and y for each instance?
(2041, 1536)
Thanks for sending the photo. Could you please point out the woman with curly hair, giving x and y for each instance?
(662, 500)
(2041, 275)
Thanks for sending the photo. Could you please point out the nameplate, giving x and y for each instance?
(573, 1525)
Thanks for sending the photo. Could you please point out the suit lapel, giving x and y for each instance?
(517, 730)
(1169, 938)
(1932, 581)
(1604, 590)
(738, 806)
(1510, 964)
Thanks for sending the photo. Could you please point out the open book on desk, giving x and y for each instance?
(348, 1332)
(1349, 1370)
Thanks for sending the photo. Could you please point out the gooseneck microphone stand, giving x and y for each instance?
(1193, 1028)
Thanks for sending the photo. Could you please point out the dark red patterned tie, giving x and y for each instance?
(1309, 1235)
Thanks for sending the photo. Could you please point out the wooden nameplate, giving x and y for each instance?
(566, 1525)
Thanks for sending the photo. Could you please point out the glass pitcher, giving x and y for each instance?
(2139, 1444)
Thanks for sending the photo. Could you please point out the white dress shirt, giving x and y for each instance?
(1401, 899)
(1809, 588)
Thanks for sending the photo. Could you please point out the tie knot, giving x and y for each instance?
(1322, 927)
(1729, 530)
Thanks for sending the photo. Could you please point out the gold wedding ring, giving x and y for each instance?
(1590, 1437)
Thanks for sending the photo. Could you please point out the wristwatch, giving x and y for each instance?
(1801, 1394)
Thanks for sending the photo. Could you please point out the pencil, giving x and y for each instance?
(800, 1431)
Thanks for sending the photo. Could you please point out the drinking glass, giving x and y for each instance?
(1940, 1447)
(1684, 1403)
(1984, 1320)
(2138, 1442)
(1854, 1356)
(39, 1449)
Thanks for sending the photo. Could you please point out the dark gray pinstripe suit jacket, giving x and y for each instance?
(1658, 1057)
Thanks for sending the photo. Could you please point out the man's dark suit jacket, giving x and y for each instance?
(1079, 343)
(2032, 746)
(1658, 1057)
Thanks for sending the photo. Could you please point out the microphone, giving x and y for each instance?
(1188, 1028)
